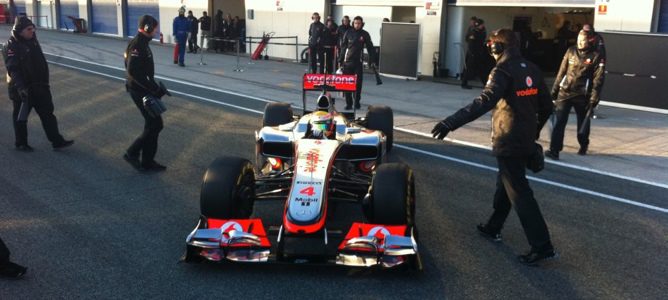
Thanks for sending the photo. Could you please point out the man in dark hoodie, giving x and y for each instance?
(7, 268)
(315, 44)
(140, 82)
(350, 60)
(521, 102)
(28, 75)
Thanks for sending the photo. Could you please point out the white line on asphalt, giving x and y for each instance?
(558, 163)
(548, 182)
(169, 79)
(477, 165)
(469, 144)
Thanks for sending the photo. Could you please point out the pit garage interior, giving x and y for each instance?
(537, 27)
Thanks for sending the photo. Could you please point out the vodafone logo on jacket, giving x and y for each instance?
(529, 81)
(529, 91)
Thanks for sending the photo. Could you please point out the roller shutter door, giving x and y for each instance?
(136, 9)
(104, 17)
(68, 8)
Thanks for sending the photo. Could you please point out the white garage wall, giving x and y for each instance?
(626, 15)
(293, 20)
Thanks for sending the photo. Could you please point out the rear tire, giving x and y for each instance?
(277, 113)
(392, 195)
(381, 117)
(228, 189)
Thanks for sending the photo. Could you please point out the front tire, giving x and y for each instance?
(228, 189)
(381, 117)
(392, 195)
(277, 113)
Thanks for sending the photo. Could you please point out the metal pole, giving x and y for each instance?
(238, 69)
(296, 48)
(201, 56)
(250, 50)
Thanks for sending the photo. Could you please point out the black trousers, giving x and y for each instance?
(146, 143)
(328, 58)
(475, 66)
(513, 190)
(316, 64)
(561, 112)
(358, 69)
(42, 103)
(192, 42)
(4, 253)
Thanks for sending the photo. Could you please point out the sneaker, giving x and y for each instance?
(63, 144)
(176, 62)
(533, 257)
(12, 270)
(182, 65)
(493, 235)
(583, 150)
(153, 167)
(132, 160)
(348, 107)
(552, 154)
(467, 87)
(24, 148)
(358, 106)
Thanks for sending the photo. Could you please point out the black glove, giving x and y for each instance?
(24, 94)
(554, 94)
(164, 90)
(441, 130)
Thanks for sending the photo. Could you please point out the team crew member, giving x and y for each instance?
(350, 60)
(329, 41)
(180, 30)
(192, 40)
(475, 64)
(205, 26)
(315, 36)
(140, 82)
(578, 85)
(7, 268)
(517, 93)
(28, 76)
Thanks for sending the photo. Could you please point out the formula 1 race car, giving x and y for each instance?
(338, 200)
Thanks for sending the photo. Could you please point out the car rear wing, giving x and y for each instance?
(327, 83)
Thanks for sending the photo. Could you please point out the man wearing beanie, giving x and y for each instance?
(140, 82)
(28, 75)
(181, 29)
(578, 86)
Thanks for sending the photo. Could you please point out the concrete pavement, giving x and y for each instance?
(624, 143)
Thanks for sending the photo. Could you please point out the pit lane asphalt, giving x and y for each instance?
(87, 225)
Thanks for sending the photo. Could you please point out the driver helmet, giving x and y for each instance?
(322, 124)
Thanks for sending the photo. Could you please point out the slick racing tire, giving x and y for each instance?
(276, 113)
(380, 117)
(392, 200)
(228, 189)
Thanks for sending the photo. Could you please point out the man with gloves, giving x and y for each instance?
(578, 85)
(140, 82)
(28, 77)
(517, 93)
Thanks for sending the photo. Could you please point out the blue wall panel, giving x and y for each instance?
(138, 8)
(20, 7)
(104, 17)
(68, 8)
(663, 17)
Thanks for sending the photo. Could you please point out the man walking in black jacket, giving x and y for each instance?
(315, 38)
(517, 93)
(578, 85)
(350, 59)
(140, 82)
(28, 75)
